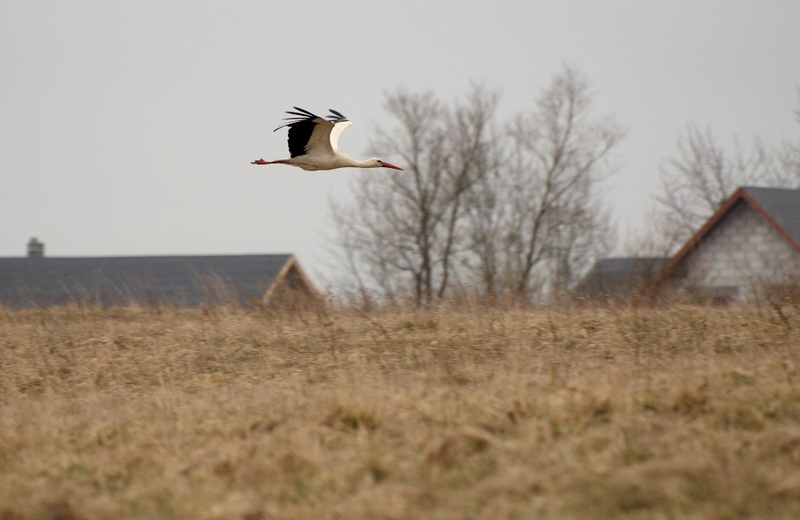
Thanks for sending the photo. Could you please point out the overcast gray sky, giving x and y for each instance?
(127, 128)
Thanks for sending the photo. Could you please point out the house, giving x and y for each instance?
(618, 277)
(191, 281)
(751, 243)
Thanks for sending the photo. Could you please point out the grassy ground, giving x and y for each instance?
(678, 412)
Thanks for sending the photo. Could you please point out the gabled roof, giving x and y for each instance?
(779, 207)
(173, 280)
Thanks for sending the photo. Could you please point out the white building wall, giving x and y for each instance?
(742, 254)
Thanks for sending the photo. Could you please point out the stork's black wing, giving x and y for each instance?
(301, 125)
(336, 116)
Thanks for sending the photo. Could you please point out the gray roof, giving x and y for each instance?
(618, 276)
(628, 265)
(172, 280)
(782, 205)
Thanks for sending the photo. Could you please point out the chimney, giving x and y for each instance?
(35, 248)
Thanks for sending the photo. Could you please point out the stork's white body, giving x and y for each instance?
(333, 161)
(314, 143)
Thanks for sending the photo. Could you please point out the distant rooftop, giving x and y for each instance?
(173, 280)
(618, 276)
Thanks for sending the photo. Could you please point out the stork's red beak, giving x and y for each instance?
(392, 166)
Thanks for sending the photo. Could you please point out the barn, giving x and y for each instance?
(180, 281)
(750, 245)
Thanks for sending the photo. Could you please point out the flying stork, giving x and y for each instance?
(313, 143)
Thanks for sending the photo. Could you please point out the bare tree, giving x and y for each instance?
(404, 230)
(513, 216)
(537, 228)
(699, 179)
(704, 174)
(785, 168)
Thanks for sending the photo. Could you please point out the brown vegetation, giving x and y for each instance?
(679, 412)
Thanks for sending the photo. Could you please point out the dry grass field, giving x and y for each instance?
(586, 413)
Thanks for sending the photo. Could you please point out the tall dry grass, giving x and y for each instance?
(678, 412)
